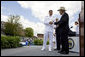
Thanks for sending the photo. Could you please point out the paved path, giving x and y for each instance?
(32, 51)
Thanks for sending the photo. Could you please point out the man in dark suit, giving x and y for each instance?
(63, 27)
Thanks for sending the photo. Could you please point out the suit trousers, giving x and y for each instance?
(58, 39)
(64, 41)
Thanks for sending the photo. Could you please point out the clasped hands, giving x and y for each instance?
(51, 22)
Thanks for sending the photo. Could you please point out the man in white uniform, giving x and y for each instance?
(48, 30)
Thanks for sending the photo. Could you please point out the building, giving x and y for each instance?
(40, 35)
(2, 27)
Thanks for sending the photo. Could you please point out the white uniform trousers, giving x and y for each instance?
(50, 34)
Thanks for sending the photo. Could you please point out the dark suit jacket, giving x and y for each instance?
(63, 24)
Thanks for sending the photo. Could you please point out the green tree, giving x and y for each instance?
(13, 27)
(29, 32)
(9, 28)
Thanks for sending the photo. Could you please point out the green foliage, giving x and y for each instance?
(4, 42)
(29, 32)
(10, 41)
(39, 42)
(47, 42)
(9, 29)
(13, 27)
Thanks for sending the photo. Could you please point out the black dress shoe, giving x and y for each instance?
(55, 49)
(60, 51)
(64, 52)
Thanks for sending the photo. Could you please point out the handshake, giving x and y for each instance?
(51, 22)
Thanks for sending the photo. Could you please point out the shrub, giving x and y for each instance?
(10, 41)
(4, 42)
(13, 41)
(47, 42)
(39, 42)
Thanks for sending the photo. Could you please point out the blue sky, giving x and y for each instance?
(13, 7)
(33, 12)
